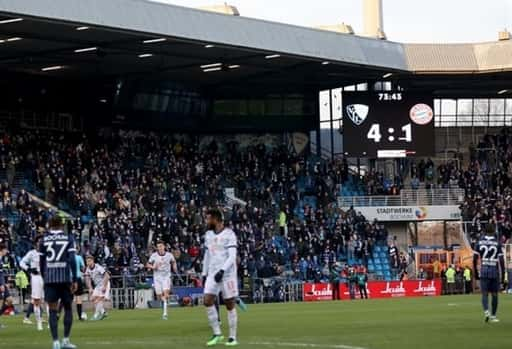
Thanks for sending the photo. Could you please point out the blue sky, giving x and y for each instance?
(404, 20)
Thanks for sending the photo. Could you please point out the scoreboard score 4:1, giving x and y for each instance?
(387, 125)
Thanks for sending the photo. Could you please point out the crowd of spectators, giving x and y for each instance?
(486, 179)
(487, 183)
(127, 189)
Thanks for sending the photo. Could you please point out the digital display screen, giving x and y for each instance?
(388, 125)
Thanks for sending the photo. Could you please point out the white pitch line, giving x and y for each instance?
(266, 344)
(305, 345)
(127, 342)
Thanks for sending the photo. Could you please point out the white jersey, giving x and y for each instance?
(97, 274)
(31, 261)
(217, 250)
(162, 264)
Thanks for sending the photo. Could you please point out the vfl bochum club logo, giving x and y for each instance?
(357, 113)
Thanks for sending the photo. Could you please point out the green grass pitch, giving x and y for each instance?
(418, 323)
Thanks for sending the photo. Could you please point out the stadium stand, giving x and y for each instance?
(127, 188)
(144, 182)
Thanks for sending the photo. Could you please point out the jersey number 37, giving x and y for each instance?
(55, 250)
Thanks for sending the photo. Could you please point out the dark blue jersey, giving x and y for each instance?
(58, 263)
(2, 276)
(491, 257)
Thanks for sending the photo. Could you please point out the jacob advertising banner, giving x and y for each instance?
(394, 289)
(317, 292)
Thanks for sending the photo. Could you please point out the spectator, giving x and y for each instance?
(450, 280)
(352, 280)
(394, 259)
(415, 183)
(362, 280)
(436, 268)
(468, 280)
(282, 223)
(11, 172)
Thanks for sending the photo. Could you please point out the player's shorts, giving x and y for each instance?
(37, 286)
(98, 292)
(80, 287)
(489, 285)
(228, 286)
(55, 292)
(162, 284)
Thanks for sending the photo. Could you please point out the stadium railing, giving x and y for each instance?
(407, 197)
(124, 287)
(277, 290)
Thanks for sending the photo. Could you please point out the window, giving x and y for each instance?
(480, 112)
(293, 107)
(508, 106)
(324, 106)
(362, 87)
(233, 107)
(497, 107)
(481, 107)
(337, 103)
(256, 107)
(274, 106)
(448, 107)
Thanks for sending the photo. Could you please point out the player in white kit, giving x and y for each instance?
(30, 264)
(220, 271)
(98, 277)
(161, 262)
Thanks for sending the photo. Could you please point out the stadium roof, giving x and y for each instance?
(251, 50)
(459, 58)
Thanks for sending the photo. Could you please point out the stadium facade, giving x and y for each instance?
(228, 71)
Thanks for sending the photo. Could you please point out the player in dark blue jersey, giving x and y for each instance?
(4, 291)
(58, 267)
(492, 268)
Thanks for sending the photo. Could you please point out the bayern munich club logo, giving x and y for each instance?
(421, 114)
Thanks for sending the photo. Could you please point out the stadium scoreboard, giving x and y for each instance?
(387, 125)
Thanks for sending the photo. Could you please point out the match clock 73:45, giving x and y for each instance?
(376, 133)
